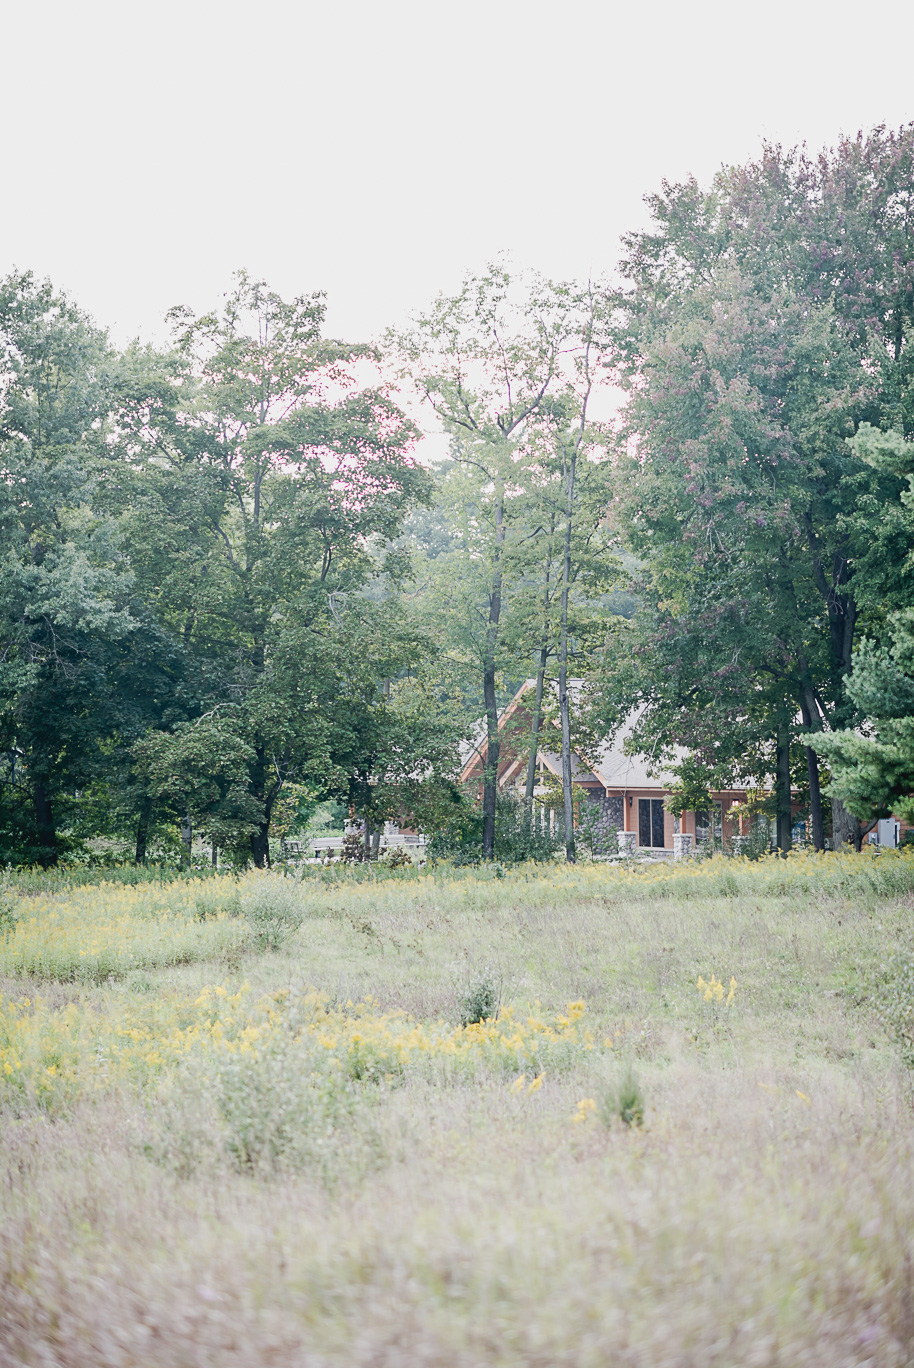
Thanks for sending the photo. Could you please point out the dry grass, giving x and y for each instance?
(439, 1216)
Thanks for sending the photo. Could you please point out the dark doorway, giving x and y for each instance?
(650, 822)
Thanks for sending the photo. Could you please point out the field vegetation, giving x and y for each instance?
(549, 1116)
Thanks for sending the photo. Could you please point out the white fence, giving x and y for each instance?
(331, 847)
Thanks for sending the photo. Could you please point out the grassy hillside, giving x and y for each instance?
(255, 1122)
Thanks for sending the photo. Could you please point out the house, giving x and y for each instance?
(630, 797)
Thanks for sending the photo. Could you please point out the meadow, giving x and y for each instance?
(648, 1115)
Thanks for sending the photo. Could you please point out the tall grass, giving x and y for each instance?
(95, 933)
(682, 1137)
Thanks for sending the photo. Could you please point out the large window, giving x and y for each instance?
(709, 826)
(650, 821)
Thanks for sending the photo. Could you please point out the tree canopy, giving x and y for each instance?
(232, 589)
(765, 321)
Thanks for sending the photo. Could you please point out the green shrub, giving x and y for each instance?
(518, 836)
(277, 1108)
(479, 1000)
(272, 906)
(624, 1103)
(353, 848)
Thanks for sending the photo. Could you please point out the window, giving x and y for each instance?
(650, 822)
(704, 830)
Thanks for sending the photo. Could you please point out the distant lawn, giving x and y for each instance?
(255, 1121)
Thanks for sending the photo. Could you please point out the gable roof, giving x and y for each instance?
(613, 768)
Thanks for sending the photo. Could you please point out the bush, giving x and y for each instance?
(272, 906)
(517, 837)
(353, 848)
(8, 918)
(624, 1103)
(595, 832)
(277, 1108)
(479, 1000)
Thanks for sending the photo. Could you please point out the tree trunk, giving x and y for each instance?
(535, 729)
(260, 846)
(44, 822)
(816, 820)
(540, 680)
(144, 822)
(366, 834)
(811, 720)
(564, 705)
(846, 830)
(493, 750)
(782, 788)
(260, 839)
(187, 836)
(493, 741)
(376, 842)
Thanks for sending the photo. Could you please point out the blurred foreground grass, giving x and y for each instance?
(242, 1123)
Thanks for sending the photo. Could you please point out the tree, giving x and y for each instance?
(261, 483)
(201, 771)
(396, 733)
(873, 765)
(570, 439)
(495, 363)
(765, 319)
(79, 655)
(873, 770)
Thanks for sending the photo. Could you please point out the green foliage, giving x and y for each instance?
(279, 1108)
(507, 365)
(873, 767)
(765, 539)
(519, 835)
(276, 1109)
(202, 770)
(189, 539)
(479, 999)
(894, 998)
(84, 667)
(226, 597)
(352, 850)
(8, 917)
(873, 771)
(592, 831)
(273, 907)
(693, 784)
(624, 1102)
(280, 499)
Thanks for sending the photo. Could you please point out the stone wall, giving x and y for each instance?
(611, 819)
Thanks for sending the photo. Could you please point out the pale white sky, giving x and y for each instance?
(377, 150)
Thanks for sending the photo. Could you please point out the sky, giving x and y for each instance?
(379, 150)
